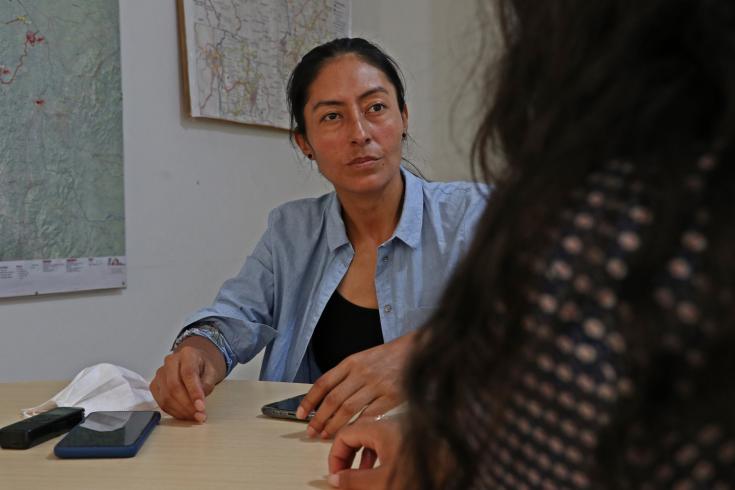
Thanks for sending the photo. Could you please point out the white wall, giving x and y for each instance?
(197, 193)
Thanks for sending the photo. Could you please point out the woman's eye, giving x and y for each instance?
(332, 116)
(376, 107)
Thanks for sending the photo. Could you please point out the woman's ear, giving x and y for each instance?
(404, 116)
(304, 145)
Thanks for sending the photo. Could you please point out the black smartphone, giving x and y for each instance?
(286, 409)
(108, 435)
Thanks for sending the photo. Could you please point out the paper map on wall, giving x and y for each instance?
(237, 54)
(61, 168)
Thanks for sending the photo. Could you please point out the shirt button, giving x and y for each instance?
(385, 259)
(387, 308)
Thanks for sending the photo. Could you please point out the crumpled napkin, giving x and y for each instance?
(101, 387)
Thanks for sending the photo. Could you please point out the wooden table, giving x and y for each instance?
(236, 448)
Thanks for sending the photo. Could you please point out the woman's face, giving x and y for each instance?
(353, 126)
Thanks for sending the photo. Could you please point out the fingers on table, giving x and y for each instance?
(166, 400)
(322, 386)
(368, 458)
(347, 410)
(372, 479)
(346, 445)
(190, 378)
(380, 406)
(340, 405)
(172, 384)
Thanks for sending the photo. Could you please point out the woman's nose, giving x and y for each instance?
(359, 133)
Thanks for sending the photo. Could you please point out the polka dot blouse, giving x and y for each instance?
(571, 379)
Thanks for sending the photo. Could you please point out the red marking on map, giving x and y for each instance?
(40, 102)
(32, 38)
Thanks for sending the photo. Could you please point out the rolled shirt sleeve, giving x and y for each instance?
(243, 308)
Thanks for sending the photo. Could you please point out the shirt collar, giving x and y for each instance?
(412, 214)
(336, 232)
(409, 225)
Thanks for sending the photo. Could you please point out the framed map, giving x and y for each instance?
(237, 55)
(62, 223)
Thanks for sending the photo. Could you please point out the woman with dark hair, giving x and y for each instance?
(586, 339)
(337, 284)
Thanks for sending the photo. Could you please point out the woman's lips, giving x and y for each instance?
(361, 160)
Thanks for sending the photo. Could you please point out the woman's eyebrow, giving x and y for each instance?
(362, 96)
(373, 91)
(322, 103)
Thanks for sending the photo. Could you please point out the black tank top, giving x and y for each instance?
(344, 329)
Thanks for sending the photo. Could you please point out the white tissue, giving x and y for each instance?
(101, 387)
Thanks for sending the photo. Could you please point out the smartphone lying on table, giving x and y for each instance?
(108, 435)
(286, 409)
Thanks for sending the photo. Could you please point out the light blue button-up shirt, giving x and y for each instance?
(278, 297)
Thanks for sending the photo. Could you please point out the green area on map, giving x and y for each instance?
(61, 165)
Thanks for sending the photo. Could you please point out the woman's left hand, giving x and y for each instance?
(369, 380)
(378, 441)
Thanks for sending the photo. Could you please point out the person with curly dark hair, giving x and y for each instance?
(586, 339)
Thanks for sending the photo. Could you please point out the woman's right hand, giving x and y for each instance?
(187, 376)
(379, 440)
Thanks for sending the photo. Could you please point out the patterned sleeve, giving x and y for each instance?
(208, 329)
(574, 375)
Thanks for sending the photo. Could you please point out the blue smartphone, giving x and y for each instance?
(108, 435)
